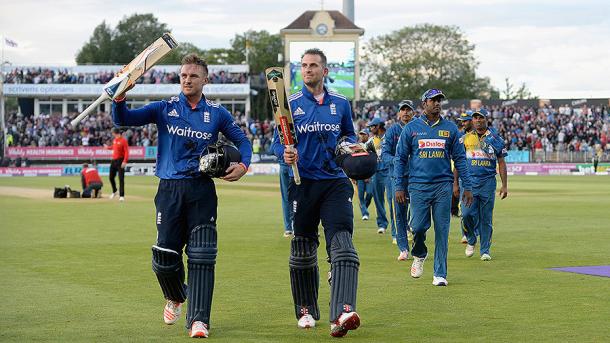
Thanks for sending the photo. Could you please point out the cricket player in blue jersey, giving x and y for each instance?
(423, 162)
(284, 184)
(186, 202)
(365, 187)
(485, 150)
(388, 153)
(381, 187)
(465, 119)
(325, 194)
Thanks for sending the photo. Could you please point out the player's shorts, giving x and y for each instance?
(181, 206)
(326, 201)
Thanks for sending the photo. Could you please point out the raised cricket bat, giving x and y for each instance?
(282, 113)
(131, 72)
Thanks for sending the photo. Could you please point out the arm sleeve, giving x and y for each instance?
(276, 147)
(386, 149)
(499, 146)
(122, 116)
(347, 126)
(458, 154)
(229, 128)
(125, 151)
(401, 160)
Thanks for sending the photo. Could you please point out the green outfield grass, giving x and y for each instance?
(79, 270)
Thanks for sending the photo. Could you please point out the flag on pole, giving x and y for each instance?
(10, 42)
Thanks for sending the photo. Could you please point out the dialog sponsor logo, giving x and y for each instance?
(480, 154)
(431, 144)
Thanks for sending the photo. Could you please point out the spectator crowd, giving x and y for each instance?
(563, 129)
(67, 76)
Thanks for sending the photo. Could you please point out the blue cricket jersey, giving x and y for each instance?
(318, 128)
(388, 151)
(482, 153)
(424, 152)
(275, 144)
(183, 132)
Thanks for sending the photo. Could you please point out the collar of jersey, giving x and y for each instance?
(476, 134)
(310, 96)
(423, 117)
(200, 104)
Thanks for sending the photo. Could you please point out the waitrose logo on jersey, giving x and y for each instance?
(317, 127)
(188, 132)
(431, 144)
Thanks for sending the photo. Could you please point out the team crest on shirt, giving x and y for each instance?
(206, 117)
(333, 109)
(443, 133)
(298, 111)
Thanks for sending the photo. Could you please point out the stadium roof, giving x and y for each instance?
(342, 23)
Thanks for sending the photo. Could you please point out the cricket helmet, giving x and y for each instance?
(216, 158)
(356, 161)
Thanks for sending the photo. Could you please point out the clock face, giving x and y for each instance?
(322, 29)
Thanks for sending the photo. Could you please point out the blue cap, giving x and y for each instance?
(406, 103)
(364, 132)
(375, 121)
(465, 116)
(482, 112)
(432, 93)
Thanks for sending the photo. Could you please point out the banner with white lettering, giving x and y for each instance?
(68, 152)
(141, 90)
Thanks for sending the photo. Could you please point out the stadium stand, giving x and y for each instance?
(72, 75)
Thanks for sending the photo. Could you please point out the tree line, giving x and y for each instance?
(398, 65)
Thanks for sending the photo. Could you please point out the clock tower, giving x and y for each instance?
(338, 37)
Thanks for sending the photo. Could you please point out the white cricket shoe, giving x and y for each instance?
(199, 330)
(417, 268)
(288, 233)
(485, 257)
(381, 231)
(306, 321)
(464, 240)
(121, 199)
(112, 195)
(404, 255)
(171, 312)
(469, 250)
(346, 321)
(365, 217)
(439, 281)
(394, 241)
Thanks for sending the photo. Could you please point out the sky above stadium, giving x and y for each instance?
(559, 48)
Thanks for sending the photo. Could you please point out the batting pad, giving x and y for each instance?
(167, 265)
(304, 276)
(344, 275)
(201, 251)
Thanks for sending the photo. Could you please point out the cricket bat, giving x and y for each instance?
(282, 113)
(130, 73)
